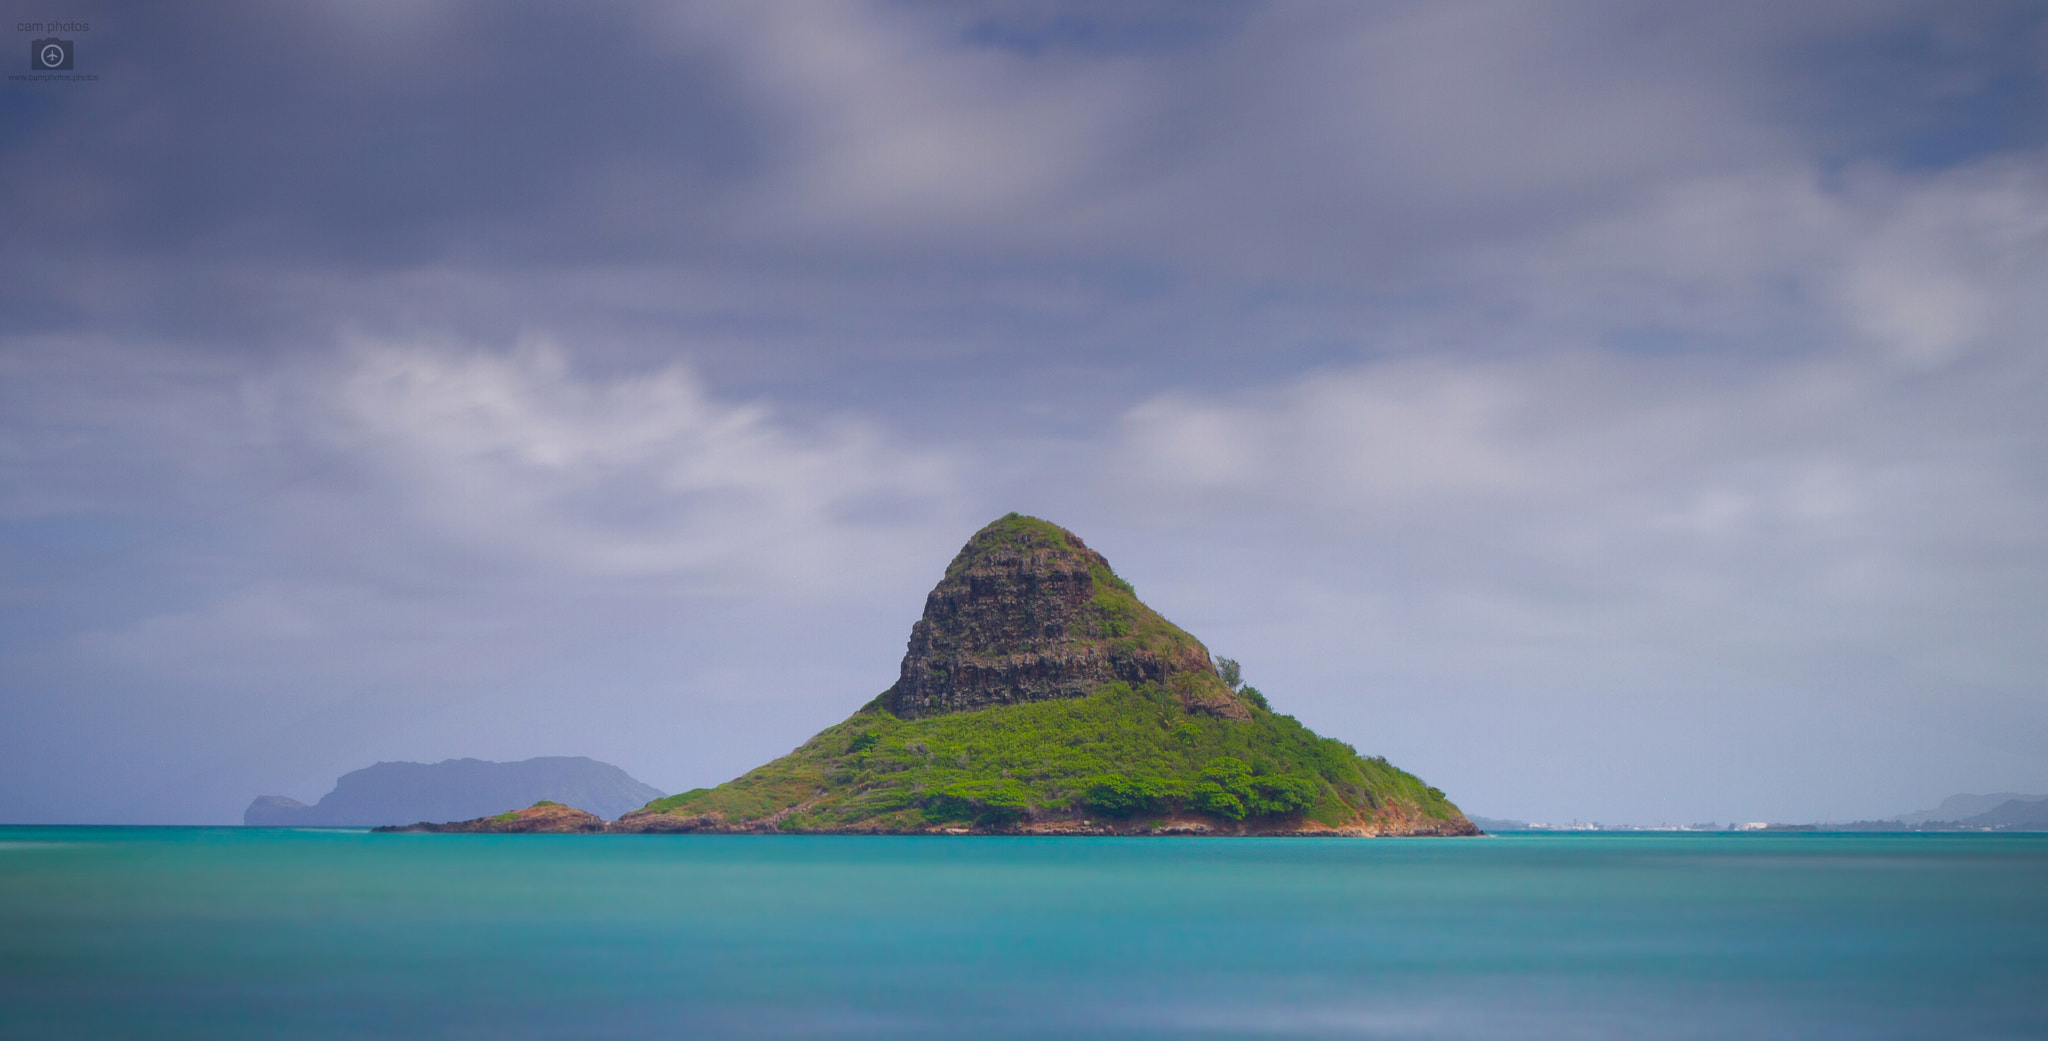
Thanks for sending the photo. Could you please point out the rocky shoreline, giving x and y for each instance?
(562, 820)
(540, 818)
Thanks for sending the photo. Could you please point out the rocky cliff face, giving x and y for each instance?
(1027, 612)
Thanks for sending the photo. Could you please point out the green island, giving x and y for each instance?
(1039, 695)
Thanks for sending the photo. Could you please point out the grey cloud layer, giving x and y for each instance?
(1637, 385)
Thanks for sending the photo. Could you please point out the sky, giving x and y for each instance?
(1606, 411)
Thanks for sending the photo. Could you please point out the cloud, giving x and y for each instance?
(1927, 282)
(893, 130)
(1779, 263)
(1518, 547)
(378, 545)
(1811, 479)
(512, 455)
(643, 475)
(426, 512)
(1393, 434)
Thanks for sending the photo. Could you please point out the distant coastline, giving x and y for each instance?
(2001, 811)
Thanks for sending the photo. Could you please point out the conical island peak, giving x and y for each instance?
(1027, 612)
(1039, 695)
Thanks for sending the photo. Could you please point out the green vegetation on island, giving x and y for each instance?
(1125, 755)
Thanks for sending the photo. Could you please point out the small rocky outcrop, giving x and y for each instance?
(541, 817)
(1027, 612)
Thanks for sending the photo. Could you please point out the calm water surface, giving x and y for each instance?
(233, 933)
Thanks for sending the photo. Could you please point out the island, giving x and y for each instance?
(1040, 696)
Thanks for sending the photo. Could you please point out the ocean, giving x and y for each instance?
(167, 933)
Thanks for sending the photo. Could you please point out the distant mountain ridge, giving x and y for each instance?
(2027, 813)
(1960, 808)
(456, 789)
(1998, 811)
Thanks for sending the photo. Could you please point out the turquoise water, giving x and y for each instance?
(231, 933)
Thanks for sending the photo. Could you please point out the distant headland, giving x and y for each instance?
(453, 789)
